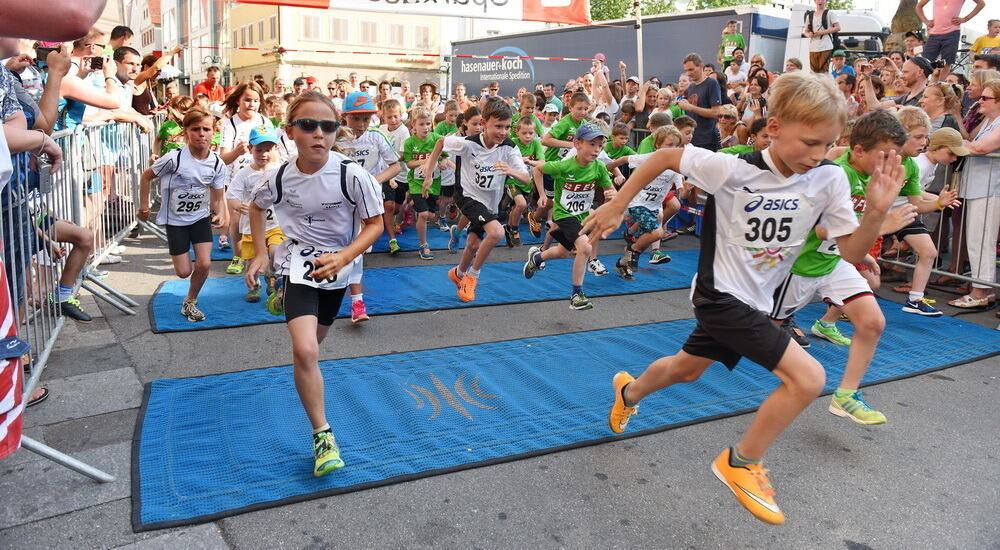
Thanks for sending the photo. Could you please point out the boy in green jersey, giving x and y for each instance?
(758, 137)
(730, 41)
(416, 150)
(558, 141)
(575, 180)
(531, 151)
(526, 111)
(447, 126)
(819, 269)
(656, 120)
(617, 146)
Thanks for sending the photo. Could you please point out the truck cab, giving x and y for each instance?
(861, 31)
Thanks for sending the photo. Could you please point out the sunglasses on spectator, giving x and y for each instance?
(987, 98)
(310, 125)
(726, 117)
(100, 46)
(331, 89)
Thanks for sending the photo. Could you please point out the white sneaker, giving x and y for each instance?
(110, 259)
(118, 250)
(597, 268)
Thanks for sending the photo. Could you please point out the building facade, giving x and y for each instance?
(202, 27)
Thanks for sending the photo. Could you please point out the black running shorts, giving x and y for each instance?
(729, 329)
(302, 300)
(397, 195)
(429, 204)
(181, 237)
(477, 213)
(917, 227)
(567, 232)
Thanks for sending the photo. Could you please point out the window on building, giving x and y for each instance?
(243, 37)
(369, 32)
(338, 29)
(310, 27)
(236, 39)
(260, 31)
(396, 35)
(422, 37)
(274, 27)
(250, 39)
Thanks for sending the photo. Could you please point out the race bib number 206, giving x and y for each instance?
(773, 220)
(304, 266)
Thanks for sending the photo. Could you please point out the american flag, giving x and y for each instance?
(11, 376)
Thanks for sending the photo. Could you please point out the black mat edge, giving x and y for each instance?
(281, 319)
(138, 526)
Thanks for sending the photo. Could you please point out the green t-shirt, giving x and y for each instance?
(513, 126)
(646, 145)
(729, 43)
(532, 150)
(622, 151)
(564, 130)
(415, 148)
(676, 112)
(171, 136)
(277, 123)
(737, 149)
(444, 129)
(819, 258)
(574, 186)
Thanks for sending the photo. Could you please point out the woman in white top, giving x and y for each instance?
(242, 107)
(331, 211)
(981, 191)
(193, 202)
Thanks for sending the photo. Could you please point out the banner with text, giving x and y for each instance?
(575, 12)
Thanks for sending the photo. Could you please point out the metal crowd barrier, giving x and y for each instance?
(951, 231)
(96, 189)
(636, 136)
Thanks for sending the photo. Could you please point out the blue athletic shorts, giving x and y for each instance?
(647, 219)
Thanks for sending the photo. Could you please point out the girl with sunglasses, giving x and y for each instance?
(331, 210)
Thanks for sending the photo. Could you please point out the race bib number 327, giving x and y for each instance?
(772, 220)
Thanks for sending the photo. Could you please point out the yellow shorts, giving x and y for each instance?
(273, 237)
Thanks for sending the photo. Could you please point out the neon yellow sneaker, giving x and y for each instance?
(831, 334)
(327, 454)
(854, 406)
(236, 266)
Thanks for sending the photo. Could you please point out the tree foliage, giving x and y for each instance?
(709, 4)
(604, 10)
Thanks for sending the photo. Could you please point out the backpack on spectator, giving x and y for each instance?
(825, 24)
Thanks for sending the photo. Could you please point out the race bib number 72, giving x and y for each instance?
(304, 266)
(772, 220)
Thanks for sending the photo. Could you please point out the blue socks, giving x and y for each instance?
(577, 289)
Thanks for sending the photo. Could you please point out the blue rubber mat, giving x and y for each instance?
(408, 242)
(390, 290)
(215, 446)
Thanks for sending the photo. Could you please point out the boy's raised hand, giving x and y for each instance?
(885, 182)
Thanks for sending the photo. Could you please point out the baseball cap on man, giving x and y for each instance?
(587, 132)
(262, 134)
(359, 102)
(299, 82)
(310, 80)
(950, 138)
(838, 53)
(633, 79)
(550, 108)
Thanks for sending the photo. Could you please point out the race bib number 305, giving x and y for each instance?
(304, 266)
(773, 220)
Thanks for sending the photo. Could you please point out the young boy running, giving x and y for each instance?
(575, 181)
(447, 126)
(646, 209)
(484, 161)
(558, 141)
(373, 152)
(819, 269)
(759, 140)
(264, 146)
(531, 152)
(746, 252)
(394, 190)
(526, 111)
(415, 152)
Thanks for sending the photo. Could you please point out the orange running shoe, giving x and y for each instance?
(535, 226)
(751, 487)
(467, 288)
(455, 278)
(619, 415)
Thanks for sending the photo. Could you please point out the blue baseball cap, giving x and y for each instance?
(359, 102)
(263, 134)
(587, 132)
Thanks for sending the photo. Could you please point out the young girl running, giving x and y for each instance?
(331, 210)
(242, 107)
(191, 180)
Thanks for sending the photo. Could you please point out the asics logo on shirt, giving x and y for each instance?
(771, 204)
(188, 195)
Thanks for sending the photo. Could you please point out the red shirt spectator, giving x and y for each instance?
(211, 86)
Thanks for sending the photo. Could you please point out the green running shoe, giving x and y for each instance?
(276, 302)
(253, 295)
(854, 406)
(393, 246)
(579, 301)
(236, 266)
(327, 454)
(832, 334)
(658, 257)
